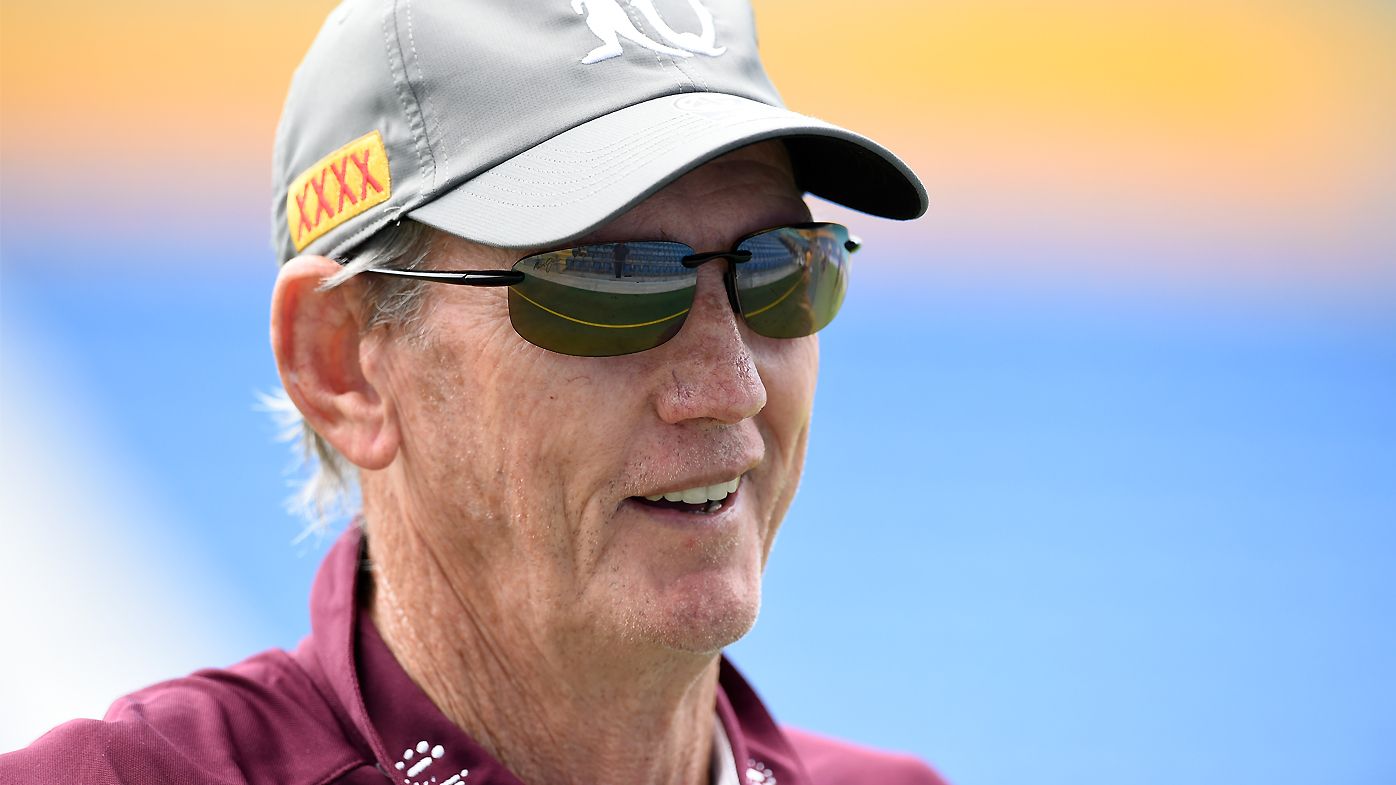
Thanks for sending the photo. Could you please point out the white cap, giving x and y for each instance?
(526, 123)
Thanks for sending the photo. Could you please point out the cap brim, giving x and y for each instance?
(580, 179)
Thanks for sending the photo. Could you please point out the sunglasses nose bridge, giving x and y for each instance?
(729, 275)
(695, 259)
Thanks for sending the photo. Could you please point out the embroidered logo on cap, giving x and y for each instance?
(338, 187)
(608, 20)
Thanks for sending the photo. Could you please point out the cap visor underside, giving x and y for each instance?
(580, 179)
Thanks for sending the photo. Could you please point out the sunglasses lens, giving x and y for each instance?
(795, 280)
(603, 300)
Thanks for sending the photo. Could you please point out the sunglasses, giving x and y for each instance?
(609, 299)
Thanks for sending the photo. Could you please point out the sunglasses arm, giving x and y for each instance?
(460, 278)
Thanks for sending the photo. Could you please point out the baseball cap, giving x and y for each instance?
(528, 123)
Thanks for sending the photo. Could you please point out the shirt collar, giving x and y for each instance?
(724, 763)
(393, 721)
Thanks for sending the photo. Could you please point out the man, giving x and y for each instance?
(570, 479)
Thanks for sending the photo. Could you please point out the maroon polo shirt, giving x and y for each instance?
(339, 709)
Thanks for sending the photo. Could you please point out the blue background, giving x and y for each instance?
(1046, 534)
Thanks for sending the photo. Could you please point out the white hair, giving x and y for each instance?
(329, 484)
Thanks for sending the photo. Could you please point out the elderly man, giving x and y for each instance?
(554, 304)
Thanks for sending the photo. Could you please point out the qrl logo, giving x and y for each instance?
(338, 187)
(609, 21)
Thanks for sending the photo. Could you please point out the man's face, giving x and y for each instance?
(521, 472)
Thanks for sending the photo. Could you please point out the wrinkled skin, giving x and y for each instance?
(514, 578)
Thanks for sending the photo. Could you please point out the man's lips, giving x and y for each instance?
(699, 494)
(705, 499)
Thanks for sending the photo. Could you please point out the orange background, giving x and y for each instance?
(1224, 142)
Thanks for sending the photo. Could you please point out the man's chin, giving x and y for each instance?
(696, 619)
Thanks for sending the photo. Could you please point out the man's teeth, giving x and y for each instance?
(700, 495)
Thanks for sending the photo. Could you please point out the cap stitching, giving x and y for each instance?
(692, 84)
(431, 107)
(699, 83)
(642, 24)
(678, 85)
(416, 120)
(406, 97)
(678, 66)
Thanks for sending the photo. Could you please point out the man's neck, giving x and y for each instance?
(555, 712)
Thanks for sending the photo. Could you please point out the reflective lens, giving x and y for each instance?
(620, 298)
(795, 280)
(603, 300)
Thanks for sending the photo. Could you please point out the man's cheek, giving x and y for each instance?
(790, 386)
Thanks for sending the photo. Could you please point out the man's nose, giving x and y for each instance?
(711, 373)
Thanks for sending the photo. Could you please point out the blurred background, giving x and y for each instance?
(1102, 486)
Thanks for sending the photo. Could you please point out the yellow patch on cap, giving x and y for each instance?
(338, 187)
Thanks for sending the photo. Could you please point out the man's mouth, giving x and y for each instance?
(702, 500)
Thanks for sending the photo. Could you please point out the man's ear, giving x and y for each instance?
(317, 340)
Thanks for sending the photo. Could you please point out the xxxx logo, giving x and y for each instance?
(338, 187)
